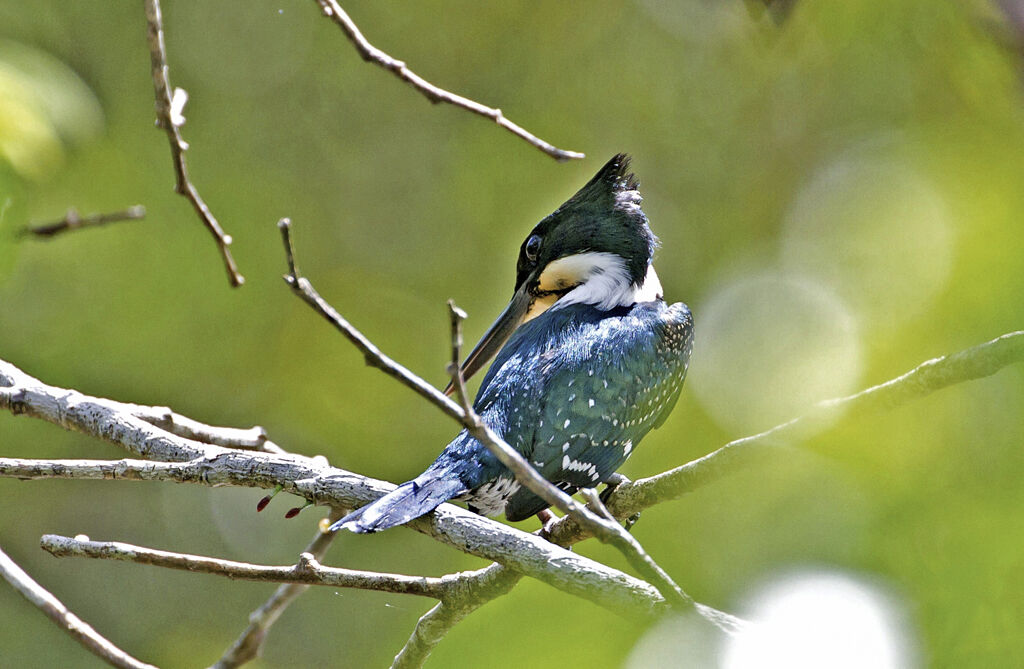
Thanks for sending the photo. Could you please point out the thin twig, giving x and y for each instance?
(253, 438)
(372, 54)
(249, 645)
(74, 221)
(55, 610)
(307, 571)
(169, 118)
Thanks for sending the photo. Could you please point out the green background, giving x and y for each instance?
(839, 197)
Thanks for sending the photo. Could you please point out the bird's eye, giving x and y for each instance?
(532, 248)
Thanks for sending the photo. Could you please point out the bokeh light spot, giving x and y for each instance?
(876, 232)
(821, 619)
(769, 346)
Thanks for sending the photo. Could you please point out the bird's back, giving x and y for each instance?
(574, 390)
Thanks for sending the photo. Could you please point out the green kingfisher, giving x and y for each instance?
(588, 358)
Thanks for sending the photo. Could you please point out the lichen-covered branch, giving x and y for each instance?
(55, 610)
(181, 459)
(481, 587)
(372, 54)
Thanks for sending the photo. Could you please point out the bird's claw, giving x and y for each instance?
(610, 484)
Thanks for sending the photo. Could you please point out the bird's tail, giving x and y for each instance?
(409, 500)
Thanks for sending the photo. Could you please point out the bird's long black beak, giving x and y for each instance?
(496, 335)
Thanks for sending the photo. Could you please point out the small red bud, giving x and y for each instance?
(262, 504)
(293, 512)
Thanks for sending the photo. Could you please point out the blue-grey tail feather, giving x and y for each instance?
(409, 500)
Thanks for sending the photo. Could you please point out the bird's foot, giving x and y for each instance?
(610, 484)
(547, 520)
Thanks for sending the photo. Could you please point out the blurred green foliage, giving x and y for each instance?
(870, 151)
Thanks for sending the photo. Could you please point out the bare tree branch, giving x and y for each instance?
(212, 465)
(169, 117)
(372, 54)
(55, 610)
(187, 461)
(254, 438)
(74, 221)
(249, 644)
(307, 571)
(486, 584)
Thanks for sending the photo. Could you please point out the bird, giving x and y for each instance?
(588, 358)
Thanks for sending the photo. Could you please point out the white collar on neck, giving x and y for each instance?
(601, 279)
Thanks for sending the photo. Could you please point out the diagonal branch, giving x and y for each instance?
(249, 645)
(65, 619)
(169, 118)
(372, 54)
(74, 221)
(487, 584)
(974, 363)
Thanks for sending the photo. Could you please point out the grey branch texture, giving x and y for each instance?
(169, 457)
(371, 54)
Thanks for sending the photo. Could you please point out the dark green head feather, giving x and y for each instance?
(604, 217)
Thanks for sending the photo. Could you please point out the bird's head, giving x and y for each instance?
(594, 249)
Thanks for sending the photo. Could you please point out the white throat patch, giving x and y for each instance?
(601, 279)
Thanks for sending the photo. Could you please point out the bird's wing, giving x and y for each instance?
(594, 401)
